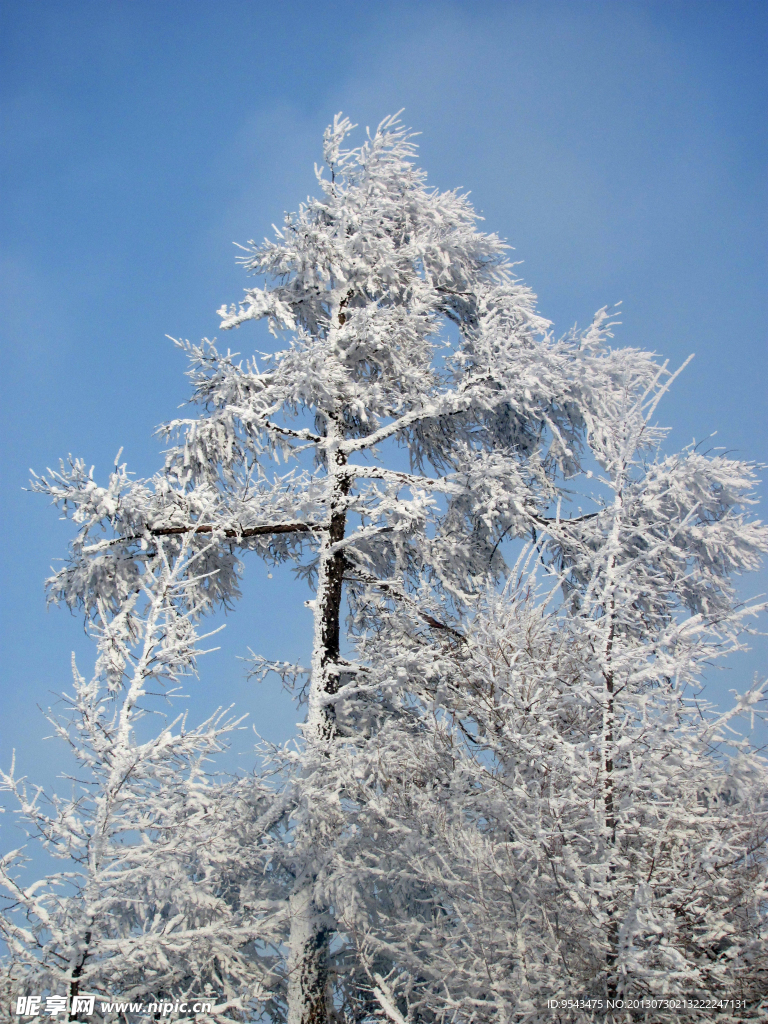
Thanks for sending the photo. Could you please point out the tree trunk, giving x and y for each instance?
(609, 729)
(308, 996)
(309, 1000)
(609, 734)
(321, 717)
(612, 954)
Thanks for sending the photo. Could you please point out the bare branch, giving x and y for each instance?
(206, 528)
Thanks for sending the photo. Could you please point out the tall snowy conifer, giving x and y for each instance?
(405, 331)
(408, 328)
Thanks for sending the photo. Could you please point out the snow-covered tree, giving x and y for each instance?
(557, 811)
(406, 331)
(153, 903)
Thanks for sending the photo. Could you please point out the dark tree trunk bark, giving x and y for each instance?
(309, 998)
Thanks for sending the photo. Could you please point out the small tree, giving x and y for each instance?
(150, 905)
(405, 327)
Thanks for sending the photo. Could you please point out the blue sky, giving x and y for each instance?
(619, 146)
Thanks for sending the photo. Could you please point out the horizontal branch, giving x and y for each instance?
(302, 435)
(546, 523)
(390, 429)
(246, 416)
(205, 528)
(253, 531)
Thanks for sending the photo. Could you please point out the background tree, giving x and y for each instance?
(155, 902)
(569, 813)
